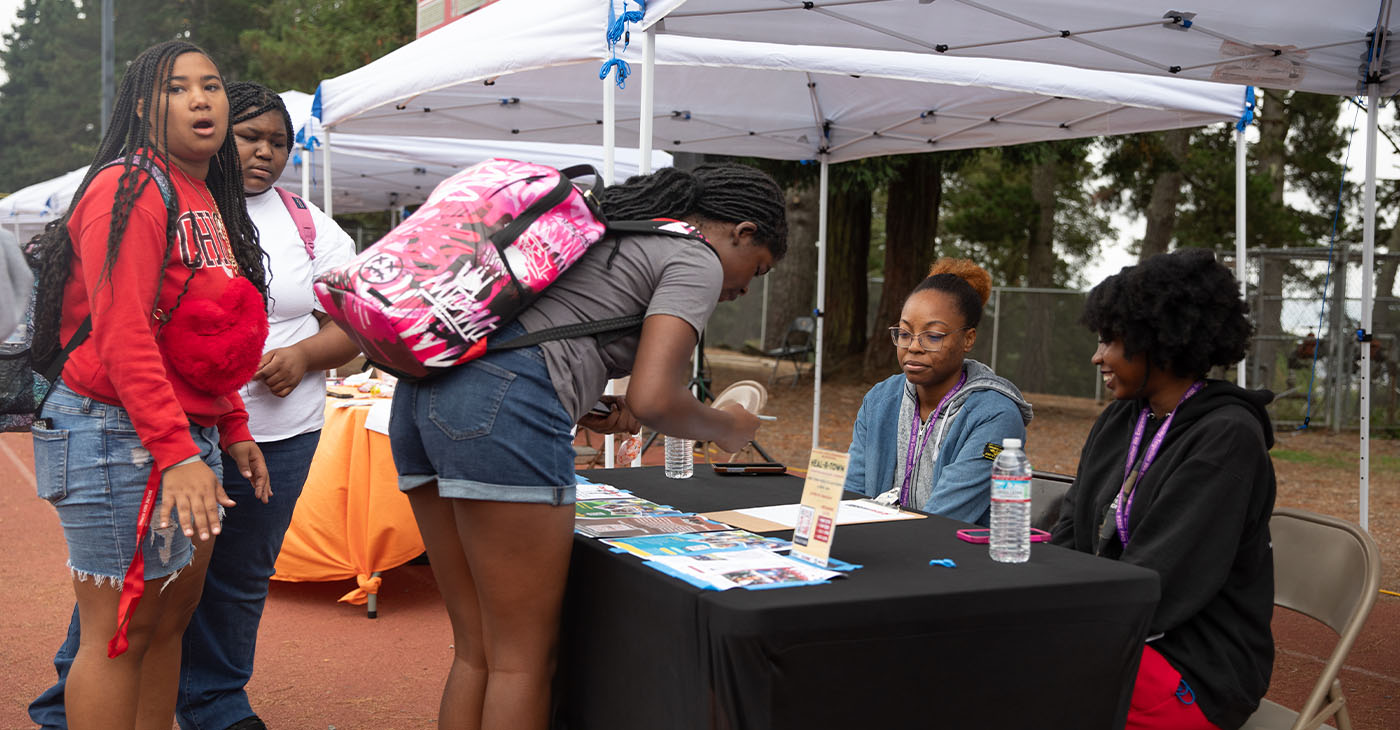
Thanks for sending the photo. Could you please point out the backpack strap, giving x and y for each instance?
(167, 193)
(301, 216)
(616, 326)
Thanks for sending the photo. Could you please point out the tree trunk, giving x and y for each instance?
(1384, 319)
(792, 284)
(1268, 309)
(911, 230)
(1166, 193)
(1040, 272)
(848, 231)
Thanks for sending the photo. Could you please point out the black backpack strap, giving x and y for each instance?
(504, 237)
(655, 227)
(570, 331)
(55, 368)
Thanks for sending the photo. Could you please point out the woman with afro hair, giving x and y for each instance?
(1175, 476)
(923, 436)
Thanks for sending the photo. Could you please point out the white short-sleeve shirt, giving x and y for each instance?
(291, 302)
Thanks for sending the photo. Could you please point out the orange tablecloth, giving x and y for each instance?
(351, 520)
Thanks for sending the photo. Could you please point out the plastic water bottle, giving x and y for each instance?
(680, 458)
(1011, 504)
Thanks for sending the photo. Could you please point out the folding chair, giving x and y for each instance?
(1328, 570)
(799, 341)
(1047, 494)
(752, 396)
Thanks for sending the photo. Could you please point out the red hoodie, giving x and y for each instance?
(123, 362)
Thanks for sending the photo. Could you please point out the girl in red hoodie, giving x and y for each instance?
(153, 288)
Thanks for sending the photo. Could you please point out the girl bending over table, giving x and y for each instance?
(924, 438)
(485, 451)
(1176, 477)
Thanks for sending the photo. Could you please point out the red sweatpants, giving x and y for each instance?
(1161, 700)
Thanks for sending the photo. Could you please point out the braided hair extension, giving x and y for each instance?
(249, 100)
(129, 137)
(729, 193)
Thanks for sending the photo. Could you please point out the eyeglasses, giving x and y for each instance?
(928, 341)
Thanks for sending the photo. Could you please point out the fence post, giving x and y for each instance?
(1337, 350)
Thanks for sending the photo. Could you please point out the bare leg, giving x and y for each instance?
(160, 670)
(106, 693)
(519, 558)
(465, 690)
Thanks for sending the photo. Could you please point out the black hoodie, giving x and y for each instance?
(1200, 518)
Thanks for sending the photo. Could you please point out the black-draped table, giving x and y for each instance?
(1052, 643)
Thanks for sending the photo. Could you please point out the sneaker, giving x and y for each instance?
(248, 723)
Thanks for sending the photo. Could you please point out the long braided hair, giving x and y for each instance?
(729, 193)
(128, 139)
(249, 100)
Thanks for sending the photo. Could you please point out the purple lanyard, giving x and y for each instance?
(912, 457)
(1123, 508)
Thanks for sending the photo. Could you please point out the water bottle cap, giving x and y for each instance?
(1011, 443)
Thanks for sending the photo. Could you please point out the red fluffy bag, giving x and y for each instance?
(216, 344)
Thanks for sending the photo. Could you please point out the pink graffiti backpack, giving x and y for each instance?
(479, 251)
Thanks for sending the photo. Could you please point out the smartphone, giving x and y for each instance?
(600, 409)
(982, 535)
(756, 467)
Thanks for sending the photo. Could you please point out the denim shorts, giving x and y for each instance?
(92, 467)
(492, 429)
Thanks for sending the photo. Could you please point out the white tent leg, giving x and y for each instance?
(821, 305)
(1368, 262)
(647, 119)
(1240, 272)
(326, 175)
(306, 173)
(609, 176)
(646, 122)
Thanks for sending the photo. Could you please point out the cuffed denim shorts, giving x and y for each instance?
(92, 467)
(492, 429)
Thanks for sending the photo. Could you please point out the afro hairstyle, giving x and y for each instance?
(1182, 309)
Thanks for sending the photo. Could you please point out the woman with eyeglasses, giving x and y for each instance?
(925, 438)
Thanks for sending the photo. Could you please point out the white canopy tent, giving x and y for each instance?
(26, 211)
(1341, 47)
(529, 81)
(380, 172)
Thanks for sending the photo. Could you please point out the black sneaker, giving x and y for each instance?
(248, 723)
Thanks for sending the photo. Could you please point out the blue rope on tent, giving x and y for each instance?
(617, 32)
(1247, 117)
(1327, 279)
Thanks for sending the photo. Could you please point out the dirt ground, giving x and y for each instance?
(323, 665)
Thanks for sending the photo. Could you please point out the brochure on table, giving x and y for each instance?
(620, 507)
(653, 546)
(784, 516)
(754, 569)
(821, 499)
(637, 526)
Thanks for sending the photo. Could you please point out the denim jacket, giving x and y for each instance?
(987, 409)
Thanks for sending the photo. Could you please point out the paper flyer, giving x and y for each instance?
(588, 491)
(784, 516)
(624, 507)
(821, 499)
(752, 569)
(637, 526)
(652, 546)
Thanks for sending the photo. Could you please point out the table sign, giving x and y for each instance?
(816, 513)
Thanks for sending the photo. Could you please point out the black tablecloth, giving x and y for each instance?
(1053, 643)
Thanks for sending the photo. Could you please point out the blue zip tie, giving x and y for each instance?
(945, 562)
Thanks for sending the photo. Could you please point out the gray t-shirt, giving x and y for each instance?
(655, 274)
